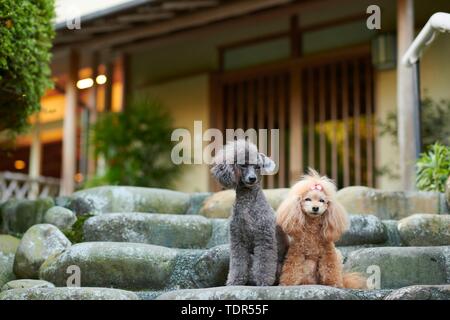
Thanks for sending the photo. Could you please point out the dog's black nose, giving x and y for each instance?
(315, 209)
(252, 179)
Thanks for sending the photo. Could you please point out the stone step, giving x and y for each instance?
(134, 199)
(356, 199)
(169, 230)
(136, 266)
(425, 230)
(396, 267)
(308, 292)
(219, 204)
(68, 293)
(17, 216)
(391, 204)
(26, 284)
(191, 231)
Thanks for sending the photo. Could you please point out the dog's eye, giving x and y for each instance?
(321, 200)
(308, 199)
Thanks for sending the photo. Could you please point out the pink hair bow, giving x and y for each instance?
(316, 187)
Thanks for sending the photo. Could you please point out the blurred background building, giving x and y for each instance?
(310, 68)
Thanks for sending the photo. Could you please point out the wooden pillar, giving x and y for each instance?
(92, 105)
(405, 95)
(35, 157)
(295, 106)
(109, 72)
(125, 78)
(70, 126)
(35, 150)
(296, 125)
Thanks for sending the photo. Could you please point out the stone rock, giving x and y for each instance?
(388, 204)
(81, 206)
(69, 293)
(6, 268)
(200, 268)
(26, 283)
(307, 292)
(110, 199)
(393, 236)
(447, 193)
(149, 295)
(19, 215)
(8, 244)
(61, 217)
(422, 292)
(38, 243)
(366, 229)
(401, 266)
(196, 202)
(220, 203)
(444, 207)
(169, 230)
(137, 266)
(373, 294)
(425, 230)
(8, 248)
(220, 232)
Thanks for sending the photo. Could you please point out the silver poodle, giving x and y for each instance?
(257, 246)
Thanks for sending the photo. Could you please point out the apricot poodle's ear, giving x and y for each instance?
(225, 174)
(289, 215)
(336, 221)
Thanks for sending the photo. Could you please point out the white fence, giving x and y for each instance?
(22, 186)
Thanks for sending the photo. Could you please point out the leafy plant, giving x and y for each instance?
(75, 234)
(433, 168)
(435, 121)
(136, 145)
(26, 32)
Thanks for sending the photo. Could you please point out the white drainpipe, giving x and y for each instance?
(439, 22)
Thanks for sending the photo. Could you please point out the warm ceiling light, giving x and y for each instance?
(85, 83)
(101, 79)
(19, 164)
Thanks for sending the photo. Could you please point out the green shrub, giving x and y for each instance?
(435, 121)
(26, 32)
(433, 168)
(136, 145)
(75, 234)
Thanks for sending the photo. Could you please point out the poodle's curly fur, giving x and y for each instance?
(256, 248)
(314, 220)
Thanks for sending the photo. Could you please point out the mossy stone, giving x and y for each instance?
(112, 199)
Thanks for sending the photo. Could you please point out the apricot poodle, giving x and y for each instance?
(314, 220)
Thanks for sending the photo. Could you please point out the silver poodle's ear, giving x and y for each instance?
(268, 165)
(225, 174)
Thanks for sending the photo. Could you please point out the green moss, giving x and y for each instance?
(26, 33)
(75, 234)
